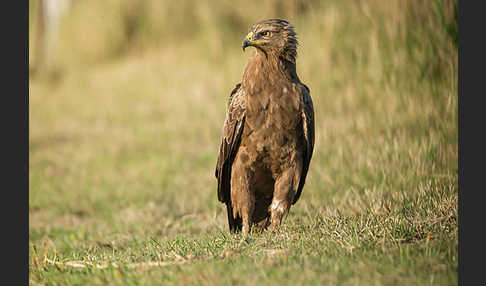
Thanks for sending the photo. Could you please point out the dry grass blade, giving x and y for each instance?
(145, 264)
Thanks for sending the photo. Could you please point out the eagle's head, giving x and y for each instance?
(273, 36)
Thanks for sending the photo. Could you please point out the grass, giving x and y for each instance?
(124, 140)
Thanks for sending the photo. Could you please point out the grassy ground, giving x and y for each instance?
(123, 145)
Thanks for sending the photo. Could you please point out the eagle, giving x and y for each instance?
(268, 133)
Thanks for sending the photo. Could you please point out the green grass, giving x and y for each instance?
(124, 141)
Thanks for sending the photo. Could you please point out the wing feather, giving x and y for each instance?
(309, 134)
(230, 142)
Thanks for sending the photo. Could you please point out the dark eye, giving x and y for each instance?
(265, 33)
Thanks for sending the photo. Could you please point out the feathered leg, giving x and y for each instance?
(242, 195)
(285, 188)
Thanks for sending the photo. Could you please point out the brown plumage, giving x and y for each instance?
(268, 133)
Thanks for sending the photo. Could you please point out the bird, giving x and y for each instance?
(268, 133)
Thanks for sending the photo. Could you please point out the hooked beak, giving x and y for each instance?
(245, 44)
(247, 41)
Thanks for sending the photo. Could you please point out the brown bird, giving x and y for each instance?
(268, 133)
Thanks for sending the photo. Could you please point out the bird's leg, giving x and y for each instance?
(246, 217)
(284, 191)
(247, 207)
(278, 209)
(242, 196)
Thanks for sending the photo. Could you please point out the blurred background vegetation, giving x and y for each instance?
(127, 100)
(92, 31)
(124, 83)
